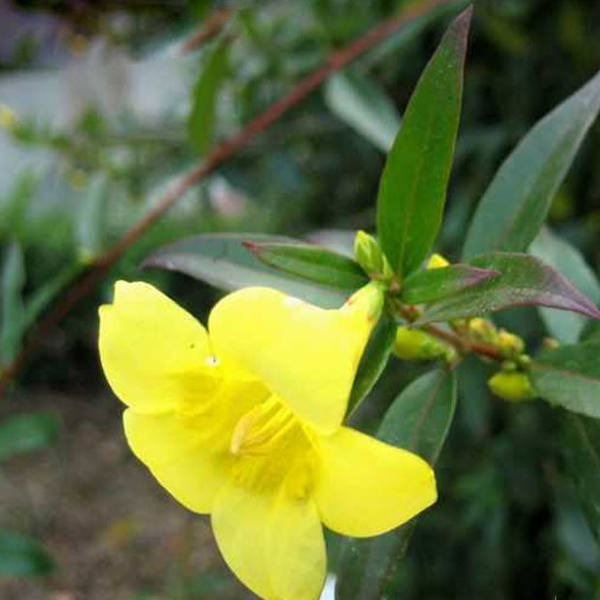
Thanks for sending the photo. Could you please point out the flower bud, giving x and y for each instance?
(437, 261)
(509, 343)
(371, 258)
(414, 344)
(513, 386)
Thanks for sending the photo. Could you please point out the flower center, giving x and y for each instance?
(273, 448)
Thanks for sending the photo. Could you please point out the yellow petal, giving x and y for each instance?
(306, 355)
(178, 458)
(153, 352)
(273, 543)
(367, 487)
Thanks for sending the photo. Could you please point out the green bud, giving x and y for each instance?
(371, 258)
(513, 386)
(414, 344)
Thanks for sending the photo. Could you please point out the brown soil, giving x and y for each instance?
(114, 532)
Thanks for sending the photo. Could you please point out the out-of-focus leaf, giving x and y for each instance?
(45, 294)
(566, 327)
(27, 432)
(222, 261)
(12, 282)
(570, 377)
(91, 225)
(435, 284)
(312, 263)
(523, 280)
(373, 361)
(412, 190)
(581, 448)
(418, 420)
(202, 119)
(359, 101)
(22, 556)
(517, 201)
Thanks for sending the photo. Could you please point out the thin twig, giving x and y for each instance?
(211, 27)
(83, 286)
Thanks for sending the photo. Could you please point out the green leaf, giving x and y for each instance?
(515, 205)
(222, 261)
(202, 119)
(566, 327)
(22, 556)
(412, 190)
(359, 101)
(310, 262)
(435, 284)
(12, 282)
(418, 420)
(373, 361)
(523, 280)
(581, 449)
(27, 432)
(91, 225)
(570, 377)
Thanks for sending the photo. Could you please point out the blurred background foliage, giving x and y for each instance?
(104, 103)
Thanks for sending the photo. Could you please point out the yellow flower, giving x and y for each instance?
(245, 423)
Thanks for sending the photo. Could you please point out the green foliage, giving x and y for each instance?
(412, 191)
(204, 97)
(516, 204)
(523, 280)
(434, 284)
(223, 261)
(418, 420)
(570, 377)
(566, 327)
(581, 448)
(27, 432)
(312, 263)
(22, 556)
(373, 361)
(358, 100)
(12, 282)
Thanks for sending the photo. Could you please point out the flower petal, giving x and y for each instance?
(178, 458)
(272, 542)
(367, 487)
(153, 352)
(305, 354)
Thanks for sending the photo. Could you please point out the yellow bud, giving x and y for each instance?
(414, 344)
(482, 329)
(513, 386)
(550, 343)
(8, 118)
(437, 261)
(509, 343)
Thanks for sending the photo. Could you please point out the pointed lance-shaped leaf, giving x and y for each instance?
(435, 284)
(524, 280)
(412, 190)
(516, 204)
(222, 260)
(310, 262)
(419, 420)
(201, 123)
(570, 377)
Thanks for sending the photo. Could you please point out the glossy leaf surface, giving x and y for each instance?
(515, 205)
(412, 190)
